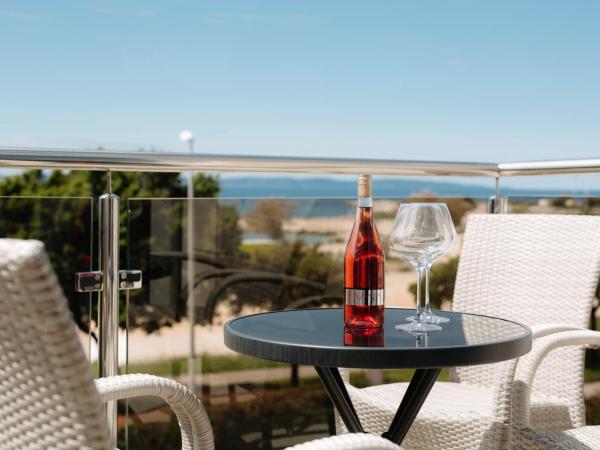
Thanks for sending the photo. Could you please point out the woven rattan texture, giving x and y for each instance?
(580, 438)
(584, 438)
(534, 269)
(196, 430)
(354, 441)
(48, 397)
(47, 394)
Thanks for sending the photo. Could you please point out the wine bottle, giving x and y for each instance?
(363, 266)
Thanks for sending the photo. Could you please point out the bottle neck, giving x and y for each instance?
(365, 202)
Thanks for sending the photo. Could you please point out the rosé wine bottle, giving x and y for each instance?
(363, 266)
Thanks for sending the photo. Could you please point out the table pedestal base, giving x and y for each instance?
(418, 389)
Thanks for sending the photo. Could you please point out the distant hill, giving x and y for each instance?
(278, 186)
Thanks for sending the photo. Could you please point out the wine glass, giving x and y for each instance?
(420, 234)
(428, 314)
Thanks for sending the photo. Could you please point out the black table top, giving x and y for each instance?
(317, 337)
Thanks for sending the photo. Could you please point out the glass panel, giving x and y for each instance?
(250, 255)
(65, 226)
(565, 204)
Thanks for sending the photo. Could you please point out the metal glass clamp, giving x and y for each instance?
(88, 281)
(92, 281)
(130, 279)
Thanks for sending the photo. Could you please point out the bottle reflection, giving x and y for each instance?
(363, 337)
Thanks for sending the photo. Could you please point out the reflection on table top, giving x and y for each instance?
(317, 337)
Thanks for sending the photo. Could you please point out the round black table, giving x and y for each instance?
(317, 337)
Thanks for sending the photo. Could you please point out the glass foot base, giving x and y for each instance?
(418, 327)
(429, 318)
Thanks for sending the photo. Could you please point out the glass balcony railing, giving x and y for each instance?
(566, 204)
(209, 259)
(249, 255)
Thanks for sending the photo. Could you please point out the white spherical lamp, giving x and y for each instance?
(186, 136)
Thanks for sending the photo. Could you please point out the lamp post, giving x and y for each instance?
(188, 136)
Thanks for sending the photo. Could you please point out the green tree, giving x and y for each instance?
(48, 205)
(267, 217)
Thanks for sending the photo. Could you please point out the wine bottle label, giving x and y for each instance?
(364, 297)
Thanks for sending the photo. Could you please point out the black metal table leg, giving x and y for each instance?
(335, 388)
(414, 397)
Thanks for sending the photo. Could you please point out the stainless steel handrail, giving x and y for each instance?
(558, 167)
(181, 162)
(198, 162)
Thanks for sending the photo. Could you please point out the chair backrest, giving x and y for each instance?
(533, 269)
(48, 398)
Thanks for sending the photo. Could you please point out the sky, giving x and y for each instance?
(429, 80)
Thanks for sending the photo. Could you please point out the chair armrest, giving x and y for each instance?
(196, 430)
(504, 390)
(529, 364)
(538, 331)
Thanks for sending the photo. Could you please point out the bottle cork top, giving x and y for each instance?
(364, 186)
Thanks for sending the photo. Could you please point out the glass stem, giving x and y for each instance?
(419, 317)
(427, 309)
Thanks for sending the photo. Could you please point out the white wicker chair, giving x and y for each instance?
(527, 438)
(536, 269)
(48, 397)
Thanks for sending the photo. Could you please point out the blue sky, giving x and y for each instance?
(462, 80)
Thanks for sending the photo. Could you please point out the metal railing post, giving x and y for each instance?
(191, 303)
(109, 299)
(497, 204)
(492, 205)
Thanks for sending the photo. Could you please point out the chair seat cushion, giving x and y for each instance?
(454, 399)
(457, 413)
(445, 399)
